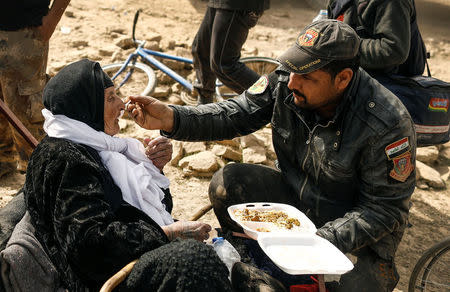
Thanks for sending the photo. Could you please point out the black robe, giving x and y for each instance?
(89, 236)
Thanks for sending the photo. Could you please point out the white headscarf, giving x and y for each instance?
(136, 176)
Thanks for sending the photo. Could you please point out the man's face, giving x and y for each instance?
(315, 90)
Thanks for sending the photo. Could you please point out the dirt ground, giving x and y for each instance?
(89, 30)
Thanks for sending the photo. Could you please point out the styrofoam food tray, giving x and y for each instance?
(304, 253)
(250, 227)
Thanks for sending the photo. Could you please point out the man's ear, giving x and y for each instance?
(343, 79)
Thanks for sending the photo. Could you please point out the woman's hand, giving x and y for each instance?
(187, 229)
(158, 150)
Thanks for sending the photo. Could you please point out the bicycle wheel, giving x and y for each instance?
(142, 80)
(261, 65)
(431, 272)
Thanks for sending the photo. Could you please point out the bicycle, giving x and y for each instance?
(431, 272)
(134, 77)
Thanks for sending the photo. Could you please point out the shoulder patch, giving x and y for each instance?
(397, 148)
(259, 86)
(402, 167)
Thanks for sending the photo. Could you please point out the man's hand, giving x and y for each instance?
(187, 229)
(150, 113)
(158, 150)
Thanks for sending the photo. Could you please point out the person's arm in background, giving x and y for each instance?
(391, 36)
(50, 21)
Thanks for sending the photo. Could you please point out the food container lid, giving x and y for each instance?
(305, 253)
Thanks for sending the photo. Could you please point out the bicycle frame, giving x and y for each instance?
(147, 55)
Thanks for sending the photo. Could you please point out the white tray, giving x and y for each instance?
(250, 227)
(297, 253)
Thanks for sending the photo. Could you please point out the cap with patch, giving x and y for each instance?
(320, 43)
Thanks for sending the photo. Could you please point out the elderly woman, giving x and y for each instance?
(97, 202)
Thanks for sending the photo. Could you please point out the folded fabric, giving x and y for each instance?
(25, 266)
(139, 180)
(10, 215)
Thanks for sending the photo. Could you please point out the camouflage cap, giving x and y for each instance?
(320, 43)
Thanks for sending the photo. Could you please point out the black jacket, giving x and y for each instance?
(246, 5)
(339, 169)
(384, 27)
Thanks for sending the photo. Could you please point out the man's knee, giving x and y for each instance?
(371, 273)
(222, 68)
(217, 191)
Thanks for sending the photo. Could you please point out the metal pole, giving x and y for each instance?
(11, 117)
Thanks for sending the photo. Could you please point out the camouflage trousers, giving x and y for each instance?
(23, 62)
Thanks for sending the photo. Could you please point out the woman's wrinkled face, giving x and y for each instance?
(112, 110)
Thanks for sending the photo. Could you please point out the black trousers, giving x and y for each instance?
(217, 49)
(239, 183)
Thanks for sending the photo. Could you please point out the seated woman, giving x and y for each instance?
(97, 202)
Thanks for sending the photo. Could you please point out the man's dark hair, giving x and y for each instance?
(336, 66)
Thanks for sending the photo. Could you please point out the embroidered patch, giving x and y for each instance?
(308, 38)
(259, 86)
(397, 148)
(402, 167)
(438, 105)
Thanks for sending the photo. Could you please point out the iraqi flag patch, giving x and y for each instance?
(399, 153)
(259, 86)
(397, 148)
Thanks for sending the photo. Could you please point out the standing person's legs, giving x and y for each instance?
(200, 51)
(23, 78)
(239, 183)
(229, 33)
(8, 163)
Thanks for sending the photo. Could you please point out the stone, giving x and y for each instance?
(116, 56)
(444, 171)
(161, 92)
(250, 141)
(444, 155)
(152, 45)
(125, 43)
(429, 176)
(177, 152)
(69, 14)
(226, 152)
(154, 37)
(182, 52)
(193, 147)
(271, 152)
(124, 124)
(203, 162)
(254, 154)
(233, 143)
(176, 87)
(119, 30)
(175, 99)
(163, 78)
(174, 65)
(77, 44)
(428, 154)
(105, 53)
